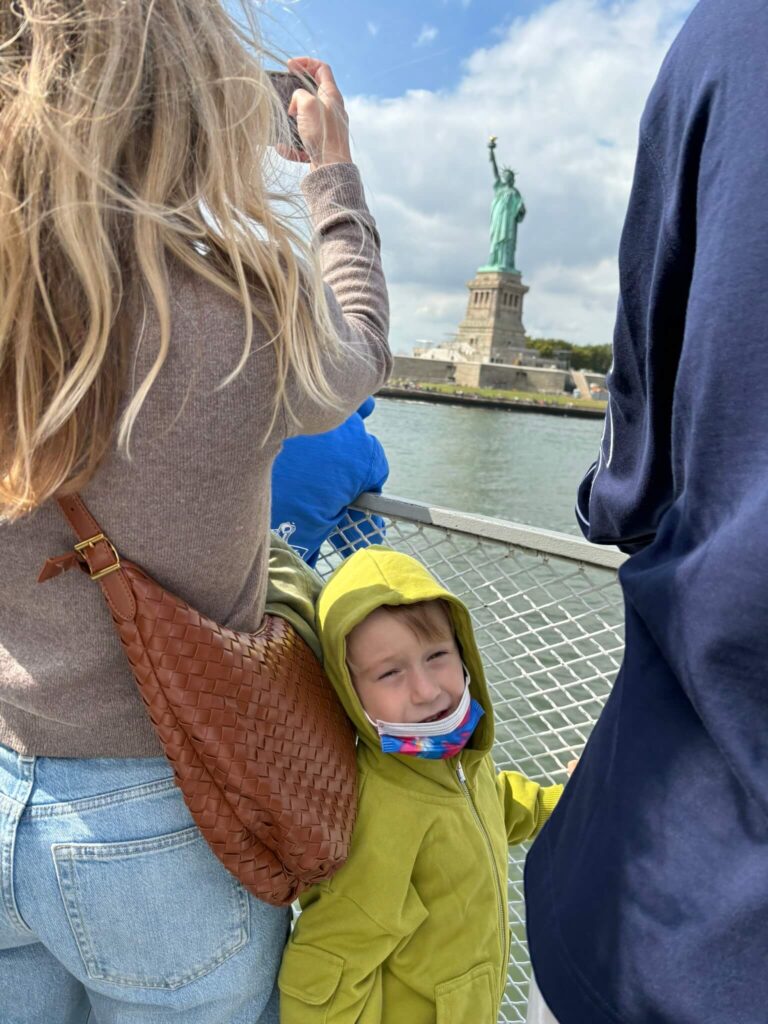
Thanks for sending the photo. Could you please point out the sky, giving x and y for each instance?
(562, 83)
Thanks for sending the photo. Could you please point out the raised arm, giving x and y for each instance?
(349, 249)
(494, 165)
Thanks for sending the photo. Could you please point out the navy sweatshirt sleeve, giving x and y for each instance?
(627, 490)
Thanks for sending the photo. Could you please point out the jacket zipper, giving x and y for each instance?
(499, 894)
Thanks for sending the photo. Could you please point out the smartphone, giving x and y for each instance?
(285, 84)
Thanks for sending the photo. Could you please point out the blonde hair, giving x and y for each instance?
(132, 130)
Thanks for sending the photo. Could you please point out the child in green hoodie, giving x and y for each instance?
(414, 927)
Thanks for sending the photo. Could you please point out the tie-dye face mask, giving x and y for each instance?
(434, 740)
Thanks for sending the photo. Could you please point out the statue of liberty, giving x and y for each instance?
(507, 211)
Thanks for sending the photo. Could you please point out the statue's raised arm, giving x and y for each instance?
(494, 165)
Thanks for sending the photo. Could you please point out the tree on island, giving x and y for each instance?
(596, 358)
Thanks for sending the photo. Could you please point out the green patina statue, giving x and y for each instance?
(507, 212)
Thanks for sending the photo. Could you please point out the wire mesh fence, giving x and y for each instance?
(548, 617)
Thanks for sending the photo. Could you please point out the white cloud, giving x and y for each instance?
(563, 90)
(427, 35)
(373, 28)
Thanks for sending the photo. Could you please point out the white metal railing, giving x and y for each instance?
(548, 617)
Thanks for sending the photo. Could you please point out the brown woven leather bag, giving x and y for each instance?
(259, 744)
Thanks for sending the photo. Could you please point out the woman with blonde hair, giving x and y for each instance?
(164, 326)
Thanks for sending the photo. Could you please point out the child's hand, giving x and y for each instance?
(571, 767)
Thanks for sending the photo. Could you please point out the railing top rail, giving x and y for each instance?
(545, 542)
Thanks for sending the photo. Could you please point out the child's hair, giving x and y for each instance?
(130, 131)
(426, 619)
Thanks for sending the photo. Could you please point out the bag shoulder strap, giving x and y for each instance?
(98, 553)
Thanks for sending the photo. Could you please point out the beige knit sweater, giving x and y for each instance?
(192, 507)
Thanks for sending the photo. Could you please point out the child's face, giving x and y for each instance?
(400, 677)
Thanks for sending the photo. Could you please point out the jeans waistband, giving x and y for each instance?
(63, 779)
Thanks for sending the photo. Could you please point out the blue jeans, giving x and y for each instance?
(114, 910)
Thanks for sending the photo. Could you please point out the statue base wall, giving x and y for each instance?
(492, 330)
(415, 370)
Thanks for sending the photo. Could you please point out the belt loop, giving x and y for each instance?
(27, 764)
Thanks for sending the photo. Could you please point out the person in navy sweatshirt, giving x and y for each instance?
(647, 892)
(316, 477)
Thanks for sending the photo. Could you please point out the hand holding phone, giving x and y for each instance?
(321, 121)
(285, 84)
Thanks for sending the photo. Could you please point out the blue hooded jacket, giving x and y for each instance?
(315, 478)
(648, 890)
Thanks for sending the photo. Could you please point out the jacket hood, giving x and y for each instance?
(377, 576)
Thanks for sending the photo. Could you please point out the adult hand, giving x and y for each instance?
(321, 119)
(571, 767)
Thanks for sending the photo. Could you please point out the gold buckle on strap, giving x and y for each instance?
(91, 542)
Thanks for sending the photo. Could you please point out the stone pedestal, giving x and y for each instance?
(493, 327)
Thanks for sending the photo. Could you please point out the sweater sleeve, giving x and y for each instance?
(357, 298)
(526, 805)
(627, 490)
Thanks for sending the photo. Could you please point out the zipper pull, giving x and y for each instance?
(461, 775)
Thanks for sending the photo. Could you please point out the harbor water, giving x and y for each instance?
(523, 467)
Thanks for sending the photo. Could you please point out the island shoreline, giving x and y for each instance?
(415, 394)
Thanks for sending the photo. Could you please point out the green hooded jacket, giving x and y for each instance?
(413, 929)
